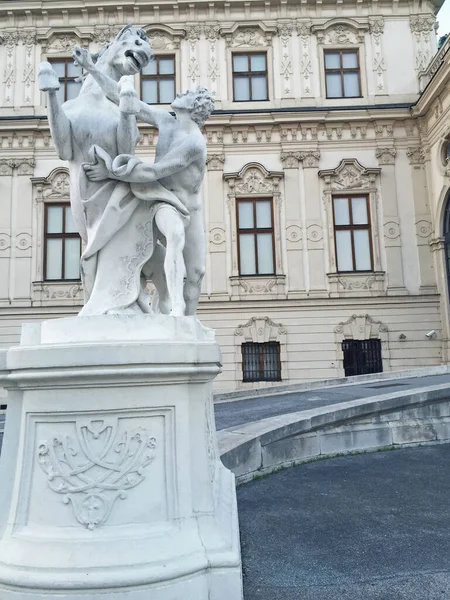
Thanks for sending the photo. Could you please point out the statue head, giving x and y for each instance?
(129, 52)
(199, 102)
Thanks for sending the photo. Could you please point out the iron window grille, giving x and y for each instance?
(261, 361)
(362, 357)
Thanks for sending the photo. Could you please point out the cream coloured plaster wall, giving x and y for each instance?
(297, 158)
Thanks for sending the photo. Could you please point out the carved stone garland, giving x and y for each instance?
(351, 177)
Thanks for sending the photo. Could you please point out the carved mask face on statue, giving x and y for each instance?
(130, 51)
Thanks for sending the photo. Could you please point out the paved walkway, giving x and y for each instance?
(365, 527)
(230, 414)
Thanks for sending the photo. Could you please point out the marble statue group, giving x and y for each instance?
(138, 220)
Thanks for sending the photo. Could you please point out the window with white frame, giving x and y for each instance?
(352, 233)
(158, 80)
(342, 74)
(68, 73)
(250, 78)
(256, 248)
(62, 244)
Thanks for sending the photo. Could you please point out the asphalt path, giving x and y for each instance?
(366, 527)
(230, 414)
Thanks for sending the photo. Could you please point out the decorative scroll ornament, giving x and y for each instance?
(98, 466)
(254, 179)
(350, 174)
(386, 156)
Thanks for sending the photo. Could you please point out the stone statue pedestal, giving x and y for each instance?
(111, 484)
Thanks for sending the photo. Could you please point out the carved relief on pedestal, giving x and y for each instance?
(422, 28)
(96, 465)
(376, 28)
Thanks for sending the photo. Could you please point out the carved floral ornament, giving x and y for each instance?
(248, 35)
(340, 31)
(57, 41)
(24, 166)
(254, 179)
(386, 156)
(163, 37)
(309, 158)
(96, 466)
(53, 187)
(349, 175)
(12, 37)
(422, 24)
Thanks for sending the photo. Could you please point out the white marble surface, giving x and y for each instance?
(139, 221)
(112, 485)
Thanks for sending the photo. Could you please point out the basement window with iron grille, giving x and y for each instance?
(261, 362)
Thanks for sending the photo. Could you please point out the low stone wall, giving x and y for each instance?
(388, 421)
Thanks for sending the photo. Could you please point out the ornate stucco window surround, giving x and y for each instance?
(260, 329)
(255, 181)
(57, 43)
(53, 189)
(342, 34)
(165, 42)
(352, 178)
(253, 38)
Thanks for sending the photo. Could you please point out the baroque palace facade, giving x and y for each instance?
(326, 191)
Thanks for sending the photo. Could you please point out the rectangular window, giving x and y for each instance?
(250, 77)
(362, 357)
(67, 73)
(62, 248)
(158, 80)
(342, 74)
(255, 237)
(352, 233)
(261, 362)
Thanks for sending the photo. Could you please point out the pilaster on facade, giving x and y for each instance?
(423, 28)
(193, 31)
(212, 35)
(376, 29)
(306, 61)
(284, 30)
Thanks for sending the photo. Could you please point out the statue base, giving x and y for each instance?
(111, 482)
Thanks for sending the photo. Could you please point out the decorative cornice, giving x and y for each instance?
(253, 178)
(349, 175)
(340, 31)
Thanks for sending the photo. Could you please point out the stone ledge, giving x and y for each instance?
(419, 416)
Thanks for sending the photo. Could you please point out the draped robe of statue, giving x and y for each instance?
(121, 235)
